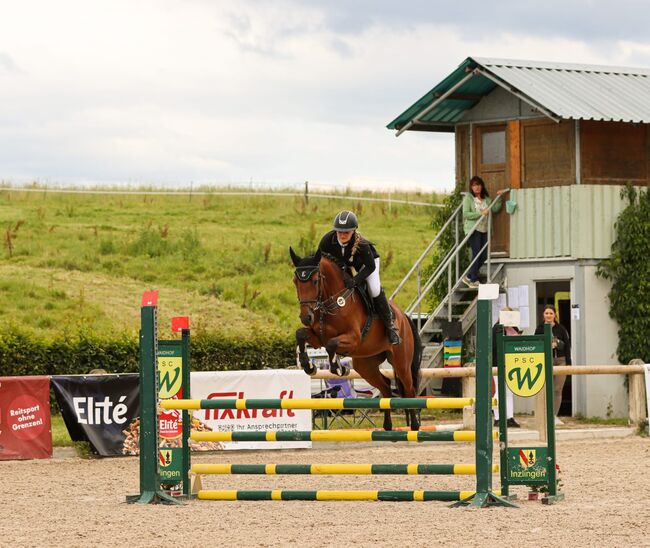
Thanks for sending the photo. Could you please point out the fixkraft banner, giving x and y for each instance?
(276, 383)
(25, 429)
(99, 409)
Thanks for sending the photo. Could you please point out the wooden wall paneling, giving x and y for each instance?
(514, 153)
(614, 153)
(462, 156)
(547, 153)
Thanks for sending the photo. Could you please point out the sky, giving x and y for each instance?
(241, 92)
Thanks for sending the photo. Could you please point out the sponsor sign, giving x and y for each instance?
(25, 431)
(527, 465)
(275, 383)
(170, 465)
(170, 369)
(99, 409)
(524, 364)
(170, 385)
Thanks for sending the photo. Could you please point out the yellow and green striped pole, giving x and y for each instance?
(338, 469)
(336, 435)
(278, 494)
(326, 403)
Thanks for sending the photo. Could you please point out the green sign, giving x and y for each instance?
(170, 465)
(527, 465)
(524, 363)
(170, 368)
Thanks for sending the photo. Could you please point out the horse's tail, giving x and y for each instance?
(417, 356)
(415, 361)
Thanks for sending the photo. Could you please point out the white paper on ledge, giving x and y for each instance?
(488, 292)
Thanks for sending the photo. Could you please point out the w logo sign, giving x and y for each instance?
(525, 373)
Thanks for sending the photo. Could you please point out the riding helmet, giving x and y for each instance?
(345, 221)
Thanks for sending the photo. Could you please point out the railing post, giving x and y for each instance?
(419, 304)
(456, 232)
(489, 247)
(449, 284)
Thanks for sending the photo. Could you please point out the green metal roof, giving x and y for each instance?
(557, 90)
(451, 109)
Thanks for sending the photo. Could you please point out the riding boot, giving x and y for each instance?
(386, 315)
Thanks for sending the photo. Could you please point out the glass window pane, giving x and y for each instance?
(493, 147)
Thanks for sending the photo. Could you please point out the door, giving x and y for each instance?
(490, 163)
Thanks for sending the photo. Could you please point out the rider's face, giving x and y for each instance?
(344, 237)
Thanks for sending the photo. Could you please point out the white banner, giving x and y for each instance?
(275, 383)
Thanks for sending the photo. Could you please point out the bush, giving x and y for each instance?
(22, 354)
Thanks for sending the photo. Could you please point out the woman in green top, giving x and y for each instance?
(475, 206)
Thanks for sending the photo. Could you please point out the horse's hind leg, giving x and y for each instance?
(368, 368)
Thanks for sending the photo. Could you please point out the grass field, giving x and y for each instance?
(79, 262)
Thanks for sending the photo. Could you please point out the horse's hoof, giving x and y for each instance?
(310, 369)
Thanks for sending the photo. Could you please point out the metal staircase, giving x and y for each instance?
(459, 304)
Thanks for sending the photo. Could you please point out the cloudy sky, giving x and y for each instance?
(173, 92)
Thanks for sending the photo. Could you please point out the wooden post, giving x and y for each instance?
(469, 390)
(637, 396)
(540, 414)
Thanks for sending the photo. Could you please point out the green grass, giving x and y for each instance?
(80, 262)
(60, 436)
(598, 420)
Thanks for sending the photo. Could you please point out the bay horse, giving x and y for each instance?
(335, 316)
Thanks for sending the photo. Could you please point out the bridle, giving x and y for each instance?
(327, 306)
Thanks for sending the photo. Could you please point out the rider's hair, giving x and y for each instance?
(358, 238)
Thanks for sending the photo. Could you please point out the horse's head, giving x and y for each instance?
(307, 279)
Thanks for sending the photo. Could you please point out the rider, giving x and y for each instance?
(350, 247)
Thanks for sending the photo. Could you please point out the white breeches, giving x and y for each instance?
(374, 285)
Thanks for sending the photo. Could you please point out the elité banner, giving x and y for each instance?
(99, 409)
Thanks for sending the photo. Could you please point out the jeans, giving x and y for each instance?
(476, 241)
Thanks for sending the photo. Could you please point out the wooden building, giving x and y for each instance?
(564, 138)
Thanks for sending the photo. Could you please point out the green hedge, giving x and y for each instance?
(23, 354)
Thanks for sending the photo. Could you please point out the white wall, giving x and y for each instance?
(598, 395)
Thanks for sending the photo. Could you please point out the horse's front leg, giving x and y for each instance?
(341, 345)
(304, 336)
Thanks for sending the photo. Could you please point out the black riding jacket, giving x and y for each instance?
(363, 260)
(564, 341)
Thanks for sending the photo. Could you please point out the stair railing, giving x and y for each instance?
(452, 258)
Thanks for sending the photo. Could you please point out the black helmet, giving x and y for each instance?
(344, 221)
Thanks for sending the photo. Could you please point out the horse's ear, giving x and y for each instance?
(294, 258)
(317, 256)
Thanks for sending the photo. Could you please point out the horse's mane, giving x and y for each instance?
(338, 262)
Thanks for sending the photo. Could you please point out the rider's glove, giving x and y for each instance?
(349, 283)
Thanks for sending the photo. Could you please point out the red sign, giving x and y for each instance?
(25, 429)
(170, 424)
(179, 323)
(150, 298)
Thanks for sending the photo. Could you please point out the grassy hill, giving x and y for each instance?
(78, 263)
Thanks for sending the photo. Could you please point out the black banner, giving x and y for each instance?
(99, 408)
